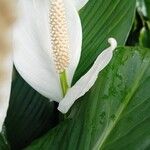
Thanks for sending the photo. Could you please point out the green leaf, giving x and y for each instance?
(29, 114)
(114, 115)
(148, 8)
(144, 39)
(3, 144)
(101, 20)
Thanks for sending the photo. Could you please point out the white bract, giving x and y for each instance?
(47, 40)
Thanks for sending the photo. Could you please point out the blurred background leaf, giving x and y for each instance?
(144, 7)
(144, 39)
(140, 33)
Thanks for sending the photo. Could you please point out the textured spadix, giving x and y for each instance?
(59, 35)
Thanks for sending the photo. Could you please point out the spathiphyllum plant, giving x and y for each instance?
(48, 46)
(75, 75)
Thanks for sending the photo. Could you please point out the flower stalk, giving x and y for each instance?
(64, 83)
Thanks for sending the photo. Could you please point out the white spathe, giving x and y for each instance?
(33, 56)
(32, 43)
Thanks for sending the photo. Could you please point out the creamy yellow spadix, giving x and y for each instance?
(60, 41)
(59, 34)
(48, 41)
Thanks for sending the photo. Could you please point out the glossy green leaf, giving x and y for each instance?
(3, 144)
(29, 115)
(101, 19)
(114, 115)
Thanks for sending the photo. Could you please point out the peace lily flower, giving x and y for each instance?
(47, 44)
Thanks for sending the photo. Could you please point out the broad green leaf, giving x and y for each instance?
(101, 19)
(114, 115)
(3, 144)
(29, 115)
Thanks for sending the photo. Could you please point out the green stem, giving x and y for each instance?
(64, 83)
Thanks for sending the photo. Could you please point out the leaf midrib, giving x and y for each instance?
(122, 107)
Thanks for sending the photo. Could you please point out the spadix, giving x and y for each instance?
(59, 35)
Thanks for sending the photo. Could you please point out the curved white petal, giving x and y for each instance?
(5, 88)
(75, 38)
(33, 53)
(88, 80)
(79, 3)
